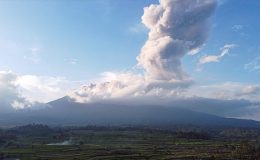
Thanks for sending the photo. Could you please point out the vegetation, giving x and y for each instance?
(40, 142)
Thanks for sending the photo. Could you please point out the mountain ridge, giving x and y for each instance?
(64, 111)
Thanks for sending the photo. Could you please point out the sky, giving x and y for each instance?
(139, 49)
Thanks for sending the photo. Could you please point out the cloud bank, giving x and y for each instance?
(25, 91)
(9, 93)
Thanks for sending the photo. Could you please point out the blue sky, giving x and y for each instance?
(49, 48)
(90, 31)
(98, 36)
(234, 22)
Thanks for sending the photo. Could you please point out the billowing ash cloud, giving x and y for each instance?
(176, 28)
(115, 86)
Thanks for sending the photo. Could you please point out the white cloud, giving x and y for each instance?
(44, 88)
(230, 99)
(227, 91)
(215, 58)
(116, 86)
(234, 108)
(19, 105)
(23, 91)
(9, 93)
(194, 51)
(237, 27)
(250, 90)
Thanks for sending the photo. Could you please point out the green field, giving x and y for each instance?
(117, 144)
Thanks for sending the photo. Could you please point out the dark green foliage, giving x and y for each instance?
(40, 142)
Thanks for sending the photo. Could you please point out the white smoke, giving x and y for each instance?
(177, 27)
(126, 86)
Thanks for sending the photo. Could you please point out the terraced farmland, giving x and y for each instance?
(133, 144)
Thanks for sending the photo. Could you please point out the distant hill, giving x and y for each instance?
(66, 112)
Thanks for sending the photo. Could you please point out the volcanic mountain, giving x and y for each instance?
(67, 112)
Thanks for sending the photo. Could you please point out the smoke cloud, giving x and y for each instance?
(176, 27)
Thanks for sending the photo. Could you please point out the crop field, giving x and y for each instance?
(133, 144)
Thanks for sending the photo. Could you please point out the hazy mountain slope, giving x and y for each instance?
(112, 114)
(65, 112)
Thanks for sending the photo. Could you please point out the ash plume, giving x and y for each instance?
(176, 27)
